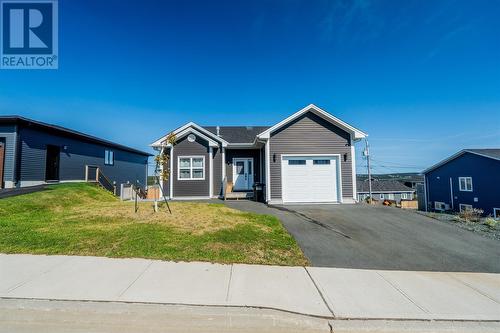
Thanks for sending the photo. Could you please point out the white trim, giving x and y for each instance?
(179, 132)
(233, 169)
(340, 198)
(353, 166)
(223, 156)
(464, 206)
(190, 167)
(454, 156)
(268, 170)
(170, 176)
(211, 166)
(322, 113)
(460, 184)
(495, 215)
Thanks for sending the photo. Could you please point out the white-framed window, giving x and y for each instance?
(191, 167)
(496, 213)
(464, 207)
(438, 205)
(381, 196)
(390, 196)
(404, 195)
(109, 157)
(465, 184)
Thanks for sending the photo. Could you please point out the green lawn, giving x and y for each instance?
(82, 219)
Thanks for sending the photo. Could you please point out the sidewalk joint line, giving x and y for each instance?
(20, 284)
(229, 282)
(320, 293)
(137, 278)
(404, 294)
(473, 288)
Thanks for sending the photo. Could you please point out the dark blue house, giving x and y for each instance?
(468, 179)
(34, 153)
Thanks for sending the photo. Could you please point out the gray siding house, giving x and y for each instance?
(34, 153)
(467, 179)
(307, 157)
(385, 190)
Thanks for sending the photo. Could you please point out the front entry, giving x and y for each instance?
(242, 174)
(52, 163)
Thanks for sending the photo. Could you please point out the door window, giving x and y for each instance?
(240, 167)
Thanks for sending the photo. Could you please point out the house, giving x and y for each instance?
(35, 153)
(467, 179)
(385, 190)
(307, 157)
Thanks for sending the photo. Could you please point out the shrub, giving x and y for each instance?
(491, 222)
(471, 215)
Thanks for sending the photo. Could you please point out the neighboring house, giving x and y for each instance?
(35, 153)
(468, 179)
(307, 157)
(385, 190)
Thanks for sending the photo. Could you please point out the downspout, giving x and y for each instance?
(425, 192)
(451, 194)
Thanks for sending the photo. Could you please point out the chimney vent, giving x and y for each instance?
(218, 131)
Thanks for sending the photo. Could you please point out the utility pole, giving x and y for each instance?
(367, 154)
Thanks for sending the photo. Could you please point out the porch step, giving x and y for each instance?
(239, 195)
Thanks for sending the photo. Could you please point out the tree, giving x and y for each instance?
(162, 168)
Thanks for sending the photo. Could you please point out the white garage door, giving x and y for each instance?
(310, 178)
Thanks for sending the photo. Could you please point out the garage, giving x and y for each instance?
(311, 178)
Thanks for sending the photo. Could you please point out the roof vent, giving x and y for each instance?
(249, 128)
(218, 130)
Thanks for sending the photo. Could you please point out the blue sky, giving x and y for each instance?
(421, 77)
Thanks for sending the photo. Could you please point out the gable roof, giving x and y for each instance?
(493, 153)
(382, 186)
(191, 127)
(356, 133)
(237, 134)
(67, 132)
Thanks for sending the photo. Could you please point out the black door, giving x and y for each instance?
(2, 157)
(52, 166)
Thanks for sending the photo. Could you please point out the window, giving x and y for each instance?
(496, 213)
(191, 168)
(321, 162)
(464, 207)
(109, 157)
(438, 205)
(390, 196)
(404, 195)
(296, 162)
(465, 183)
(381, 196)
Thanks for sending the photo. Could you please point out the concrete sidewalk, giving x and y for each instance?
(320, 292)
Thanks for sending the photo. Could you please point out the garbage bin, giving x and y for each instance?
(258, 192)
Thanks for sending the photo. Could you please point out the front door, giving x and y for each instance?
(242, 174)
(52, 163)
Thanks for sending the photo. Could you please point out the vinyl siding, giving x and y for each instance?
(217, 172)
(485, 173)
(128, 167)
(8, 134)
(191, 188)
(310, 134)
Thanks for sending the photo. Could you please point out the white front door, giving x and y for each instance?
(311, 178)
(242, 174)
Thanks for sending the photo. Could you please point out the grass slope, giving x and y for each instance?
(82, 219)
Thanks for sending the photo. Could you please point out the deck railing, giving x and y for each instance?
(94, 174)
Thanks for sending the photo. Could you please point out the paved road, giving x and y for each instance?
(362, 236)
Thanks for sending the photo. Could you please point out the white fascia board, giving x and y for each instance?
(356, 133)
(194, 126)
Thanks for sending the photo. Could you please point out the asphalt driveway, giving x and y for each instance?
(362, 236)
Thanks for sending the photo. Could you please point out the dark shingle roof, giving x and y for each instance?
(493, 153)
(68, 132)
(382, 186)
(237, 134)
